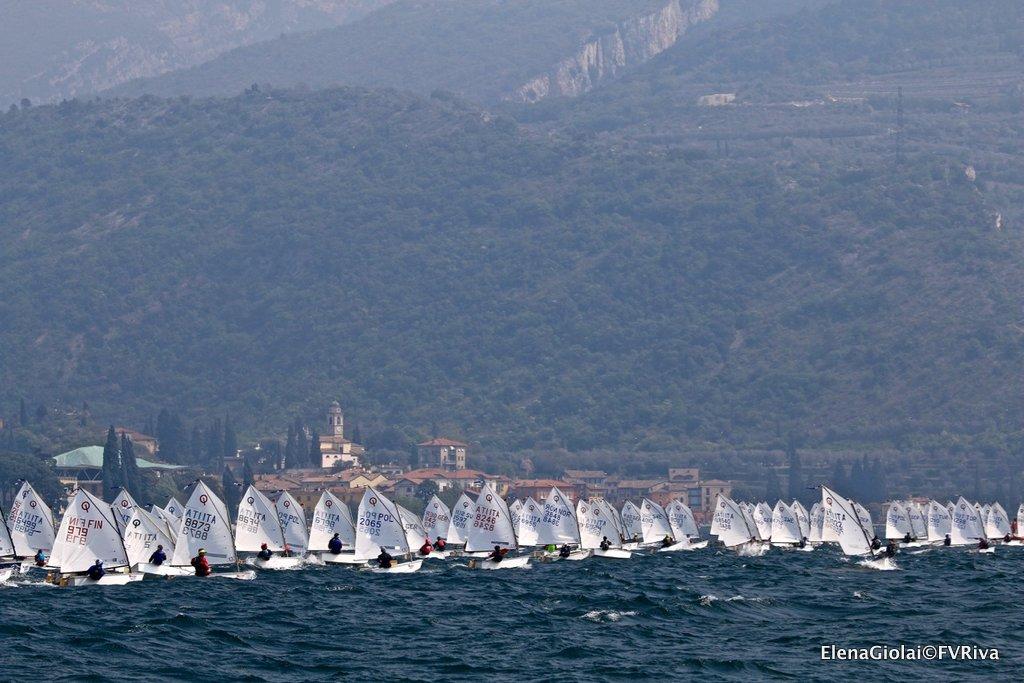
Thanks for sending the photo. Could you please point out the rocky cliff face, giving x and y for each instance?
(84, 46)
(631, 42)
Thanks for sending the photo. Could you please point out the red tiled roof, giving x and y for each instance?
(546, 483)
(442, 442)
(428, 472)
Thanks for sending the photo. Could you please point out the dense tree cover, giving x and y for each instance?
(482, 49)
(15, 467)
(429, 262)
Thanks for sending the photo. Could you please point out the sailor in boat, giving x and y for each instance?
(907, 538)
(550, 548)
(801, 544)
(605, 543)
(96, 572)
(385, 559)
(426, 548)
(876, 544)
(890, 549)
(1013, 530)
(334, 545)
(499, 554)
(667, 541)
(287, 552)
(201, 564)
(158, 557)
(40, 558)
(983, 544)
(264, 553)
(439, 544)
(947, 540)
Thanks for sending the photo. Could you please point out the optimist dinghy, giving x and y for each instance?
(88, 533)
(204, 526)
(597, 529)
(331, 516)
(734, 528)
(258, 529)
(492, 528)
(379, 527)
(558, 526)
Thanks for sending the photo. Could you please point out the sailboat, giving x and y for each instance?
(734, 527)
(786, 531)
(748, 515)
(462, 518)
(817, 520)
(88, 533)
(204, 526)
(513, 511)
(967, 527)
(6, 551)
(997, 524)
(918, 528)
(257, 527)
(436, 520)
(596, 528)
(526, 529)
(897, 522)
(175, 508)
(30, 524)
(655, 526)
(844, 525)
(684, 528)
(142, 534)
(292, 519)
(379, 526)
(763, 519)
(633, 531)
(122, 507)
(802, 518)
(616, 520)
(414, 531)
(492, 529)
(558, 527)
(938, 523)
(331, 516)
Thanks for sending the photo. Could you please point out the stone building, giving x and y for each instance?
(444, 454)
(335, 449)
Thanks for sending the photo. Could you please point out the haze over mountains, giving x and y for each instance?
(620, 268)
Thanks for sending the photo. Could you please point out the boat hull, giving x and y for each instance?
(684, 546)
(147, 569)
(613, 553)
(400, 568)
(78, 580)
(341, 558)
(517, 562)
(276, 562)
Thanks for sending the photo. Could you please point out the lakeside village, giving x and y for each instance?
(443, 468)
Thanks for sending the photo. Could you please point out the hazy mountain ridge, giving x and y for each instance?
(55, 49)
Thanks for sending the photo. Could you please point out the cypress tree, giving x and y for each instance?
(289, 450)
(357, 437)
(301, 443)
(230, 440)
(195, 446)
(316, 458)
(248, 478)
(111, 465)
(232, 494)
(22, 414)
(131, 478)
(214, 442)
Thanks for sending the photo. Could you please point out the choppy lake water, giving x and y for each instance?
(706, 613)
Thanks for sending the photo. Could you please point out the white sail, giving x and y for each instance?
(613, 515)
(87, 533)
(292, 519)
(939, 521)
(529, 518)
(378, 525)
(729, 523)
(204, 524)
(748, 516)
(817, 521)
(785, 526)
(436, 519)
(6, 542)
(143, 533)
(997, 524)
(30, 523)
(175, 508)
(595, 526)
(558, 521)
(492, 523)
(844, 524)
(763, 520)
(897, 521)
(966, 528)
(631, 520)
(865, 518)
(166, 517)
(513, 510)
(654, 522)
(802, 518)
(122, 506)
(331, 516)
(462, 518)
(257, 524)
(918, 528)
(1020, 519)
(681, 521)
(415, 534)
